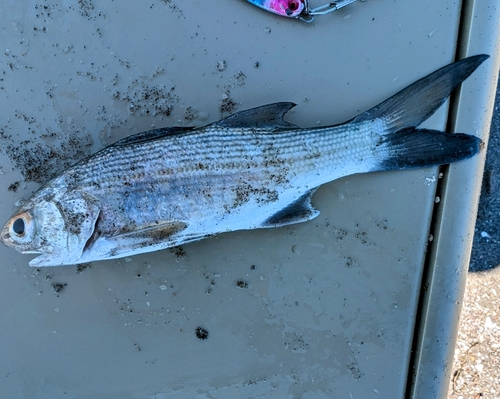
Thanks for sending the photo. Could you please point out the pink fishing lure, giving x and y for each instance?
(299, 8)
(285, 8)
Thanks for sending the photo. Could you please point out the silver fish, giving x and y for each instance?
(167, 187)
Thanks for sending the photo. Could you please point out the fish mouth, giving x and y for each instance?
(9, 242)
(5, 236)
(50, 260)
(42, 261)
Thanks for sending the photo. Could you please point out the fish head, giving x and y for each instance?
(56, 227)
(287, 8)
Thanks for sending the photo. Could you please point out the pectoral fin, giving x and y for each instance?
(300, 210)
(158, 231)
(136, 241)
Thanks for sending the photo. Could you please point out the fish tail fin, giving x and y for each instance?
(401, 145)
(417, 102)
(417, 148)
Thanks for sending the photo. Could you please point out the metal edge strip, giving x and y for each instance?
(448, 255)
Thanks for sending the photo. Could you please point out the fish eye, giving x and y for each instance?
(18, 227)
(21, 226)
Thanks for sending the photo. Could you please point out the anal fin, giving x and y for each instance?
(300, 210)
(160, 230)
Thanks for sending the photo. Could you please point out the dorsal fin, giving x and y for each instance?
(153, 134)
(270, 116)
(265, 116)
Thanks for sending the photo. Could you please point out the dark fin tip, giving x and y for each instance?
(418, 148)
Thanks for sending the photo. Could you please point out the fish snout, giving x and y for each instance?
(5, 236)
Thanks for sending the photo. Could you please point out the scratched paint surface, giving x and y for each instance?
(303, 311)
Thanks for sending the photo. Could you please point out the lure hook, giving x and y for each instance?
(309, 13)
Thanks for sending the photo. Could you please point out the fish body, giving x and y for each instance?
(170, 186)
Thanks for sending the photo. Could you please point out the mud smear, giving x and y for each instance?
(143, 99)
(227, 105)
(88, 10)
(174, 7)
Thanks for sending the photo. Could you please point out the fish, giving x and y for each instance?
(170, 186)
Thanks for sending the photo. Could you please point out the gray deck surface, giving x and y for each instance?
(129, 326)
(314, 315)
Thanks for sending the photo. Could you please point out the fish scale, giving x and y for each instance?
(171, 186)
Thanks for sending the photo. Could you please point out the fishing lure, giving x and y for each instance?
(299, 8)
